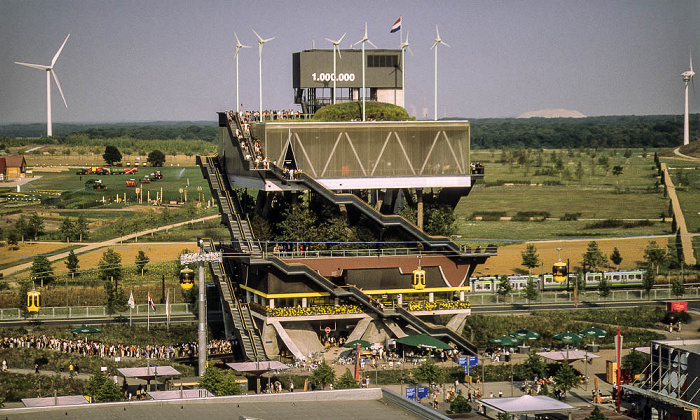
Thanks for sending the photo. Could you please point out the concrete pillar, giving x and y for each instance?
(461, 295)
(380, 199)
(419, 195)
(303, 302)
(431, 297)
(399, 299)
(336, 302)
(271, 302)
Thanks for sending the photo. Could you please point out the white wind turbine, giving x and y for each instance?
(403, 47)
(335, 49)
(364, 64)
(260, 48)
(238, 48)
(687, 79)
(435, 44)
(49, 73)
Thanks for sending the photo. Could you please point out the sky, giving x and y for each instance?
(173, 60)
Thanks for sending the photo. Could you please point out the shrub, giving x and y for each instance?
(570, 217)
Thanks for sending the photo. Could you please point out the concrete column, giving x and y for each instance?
(336, 302)
(399, 299)
(461, 295)
(271, 302)
(303, 302)
(419, 195)
(380, 200)
(431, 297)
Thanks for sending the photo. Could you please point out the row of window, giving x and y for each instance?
(382, 60)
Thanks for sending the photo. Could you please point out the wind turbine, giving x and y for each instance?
(364, 64)
(49, 73)
(238, 48)
(687, 79)
(403, 47)
(437, 41)
(335, 49)
(260, 47)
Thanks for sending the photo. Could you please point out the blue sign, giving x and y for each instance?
(422, 392)
(466, 370)
(411, 393)
(468, 360)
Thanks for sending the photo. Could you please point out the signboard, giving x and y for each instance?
(204, 256)
(328, 330)
(314, 68)
(468, 360)
(422, 392)
(677, 306)
(411, 393)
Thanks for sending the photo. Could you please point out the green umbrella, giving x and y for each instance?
(423, 341)
(593, 332)
(352, 344)
(505, 340)
(86, 330)
(525, 335)
(568, 337)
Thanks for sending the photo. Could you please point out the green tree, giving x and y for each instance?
(531, 292)
(533, 367)
(579, 171)
(67, 229)
(439, 220)
(21, 227)
(530, 257)
(112, 155)
(615, 257)
(596, 414)
(460, 404)
(82, 229)
(102, 389)
(42, 270)
(141, 261)
(115, 298)
(565, 378)
(110, 265)
(635, 361)
(429, 372)
(346, 381)
(220, 382)
(299, 224)
(594, 257)
(71, 262)
(156, 158)
(504, 286)
(648, 280)
(617, 170)
(678, 287)
(24, 288)
(654, 255)
(323, 375)
(604, 287)
(35, 226)
(13, 239)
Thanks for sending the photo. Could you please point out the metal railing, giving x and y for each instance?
(82, 312)
(591, 296)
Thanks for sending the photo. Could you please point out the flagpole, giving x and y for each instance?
(148, 314)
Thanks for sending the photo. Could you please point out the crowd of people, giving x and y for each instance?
(96, 348)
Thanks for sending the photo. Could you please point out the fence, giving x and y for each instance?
(585, 296)
(83, 312)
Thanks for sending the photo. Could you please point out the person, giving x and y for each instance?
(436, 403)
(291, 385)
(70, 370)
(4, 365)
(491, 394)
(470, 395)
(500, 394)
(36, 368)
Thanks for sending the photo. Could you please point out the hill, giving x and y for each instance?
(552, 113)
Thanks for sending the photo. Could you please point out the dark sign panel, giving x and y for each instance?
(314, 69)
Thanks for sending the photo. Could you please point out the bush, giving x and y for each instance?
(570, 217)
(460, 404)
(352, 111)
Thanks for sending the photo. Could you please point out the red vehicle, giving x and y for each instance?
(157, 175)
(130, 171)
(146, 180)
(131, 183)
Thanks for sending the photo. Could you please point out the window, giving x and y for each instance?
(382, 60)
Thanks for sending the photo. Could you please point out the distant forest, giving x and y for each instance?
(591, 132)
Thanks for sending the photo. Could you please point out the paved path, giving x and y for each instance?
(677, 152)
(686, 239)
(96, 245)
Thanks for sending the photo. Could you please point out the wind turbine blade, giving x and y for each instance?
(406, 38)
(55, 57)
(330, 40)
(409, 50)
(691, 62)
(365, 29)
(238, 41)
(259, 37)
(437, 31)
(371, 43)
(55, 78)
(339, 54)
(341, 40)
(34, 66)
(445, 43)
(268, 39)
(434, 44)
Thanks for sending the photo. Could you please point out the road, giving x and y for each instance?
(97, 245)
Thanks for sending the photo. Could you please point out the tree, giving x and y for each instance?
(530, 257)
(594, 257)
(429, 372)
(110, 265)
(533, 367)
(504, 286)
(21, 227)
(220, 382)
(141, 261)
(678, 287)
(42, 270)
(604, 287)
(439, 220)
(654, 255)
(565, 378)
(71, 262)
(615, 257)
(648, 280)
(323, 375)
(112, 155)
(156, 158)
(116, 300)
(635, 361)
(531, 292)
(102, 389)
(13, 239)
(346, 381)
(596, 414)
(35, 226)
(617, 170)
(24, 288)
(67, 229)
(460, 404)
(82, 228)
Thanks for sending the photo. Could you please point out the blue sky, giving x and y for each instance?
(173, 60)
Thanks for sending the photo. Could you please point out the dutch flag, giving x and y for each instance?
(396, 26)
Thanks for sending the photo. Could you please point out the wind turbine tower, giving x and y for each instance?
(335, 74)
(687, 80)
(238, 48)
(403, 47)
(437, 41)
(49, 73)
(364, 64)
(261, 42)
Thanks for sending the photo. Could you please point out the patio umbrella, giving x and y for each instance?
(593, 332)
(86, 330)
(352, 344)
(568, 337)
(423, 341)
(505, 340)
(525, 335)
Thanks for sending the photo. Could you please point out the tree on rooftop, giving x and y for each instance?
(352, 111)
